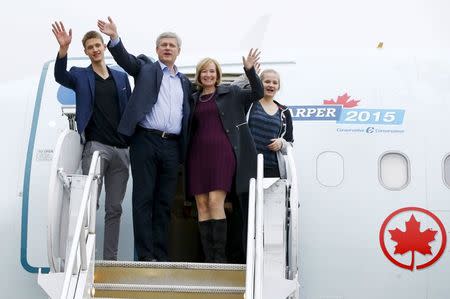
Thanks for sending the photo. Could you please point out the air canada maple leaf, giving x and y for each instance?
(343, 100)
(412, 239)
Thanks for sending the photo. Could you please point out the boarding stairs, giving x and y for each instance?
(272, 243)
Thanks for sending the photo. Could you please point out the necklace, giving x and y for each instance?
(207, 99)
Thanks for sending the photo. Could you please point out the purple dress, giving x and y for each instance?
(211, 163)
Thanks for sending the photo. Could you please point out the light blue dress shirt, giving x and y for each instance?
(167, 113)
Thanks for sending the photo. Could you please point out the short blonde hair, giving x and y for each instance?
(91, 34)
(273, 72)
(202, 65)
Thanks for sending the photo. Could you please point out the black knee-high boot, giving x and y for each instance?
(219, 236)
(205, 228)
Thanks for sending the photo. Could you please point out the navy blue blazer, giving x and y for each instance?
(82, 81)
(148, 76)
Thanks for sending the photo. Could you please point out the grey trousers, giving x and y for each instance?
(115, 173)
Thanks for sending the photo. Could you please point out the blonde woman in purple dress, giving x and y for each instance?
(221, 152)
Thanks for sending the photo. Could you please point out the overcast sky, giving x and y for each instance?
(208, 26)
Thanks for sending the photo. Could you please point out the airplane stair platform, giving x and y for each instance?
(272, 243)
(168, 280)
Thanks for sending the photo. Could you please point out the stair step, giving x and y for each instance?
(165, 292)
(170, 274)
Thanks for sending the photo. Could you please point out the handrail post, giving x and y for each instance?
(250, 269)
(259, 230)
(294, 206)
(93, 205)
(82, 240)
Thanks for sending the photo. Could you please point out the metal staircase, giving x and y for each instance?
(271, 270)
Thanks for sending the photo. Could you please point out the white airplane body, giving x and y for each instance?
(357, 166)
(371, 153)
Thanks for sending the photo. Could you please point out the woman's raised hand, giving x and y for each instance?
(252, 59)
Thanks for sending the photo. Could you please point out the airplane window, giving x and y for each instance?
(446, 170)
(394, 171)
(330, 169)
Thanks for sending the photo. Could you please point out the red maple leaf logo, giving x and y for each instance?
(342, 100)
(412, 239)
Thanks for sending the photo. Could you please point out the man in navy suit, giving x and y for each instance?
(101, 97)
(156, 118)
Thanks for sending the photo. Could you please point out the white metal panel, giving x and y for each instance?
(340, 254)
(434, 95)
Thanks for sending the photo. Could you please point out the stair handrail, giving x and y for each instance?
(250, 267)
(255, 275)
(294, 206)
(259, 229)
(65, 164)
(85, 216)
(255, 247)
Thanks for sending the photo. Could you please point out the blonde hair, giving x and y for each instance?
(261, 76)
(91, 34)
(202, 65)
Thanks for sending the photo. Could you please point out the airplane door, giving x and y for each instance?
(47, 124)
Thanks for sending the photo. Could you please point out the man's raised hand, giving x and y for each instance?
(64, 39)
(109, 28)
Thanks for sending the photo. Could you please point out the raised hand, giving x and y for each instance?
(64, 39)
(258, 68)
(108, 28)
(252, 59)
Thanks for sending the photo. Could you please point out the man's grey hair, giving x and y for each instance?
(168, 35)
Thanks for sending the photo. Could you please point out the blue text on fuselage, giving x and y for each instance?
(318, 112)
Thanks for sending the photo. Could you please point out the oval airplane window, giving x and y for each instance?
(446, 171)
(394, 171)
(330, 169)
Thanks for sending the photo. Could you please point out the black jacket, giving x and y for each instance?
(147, 77)
(231, 102)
